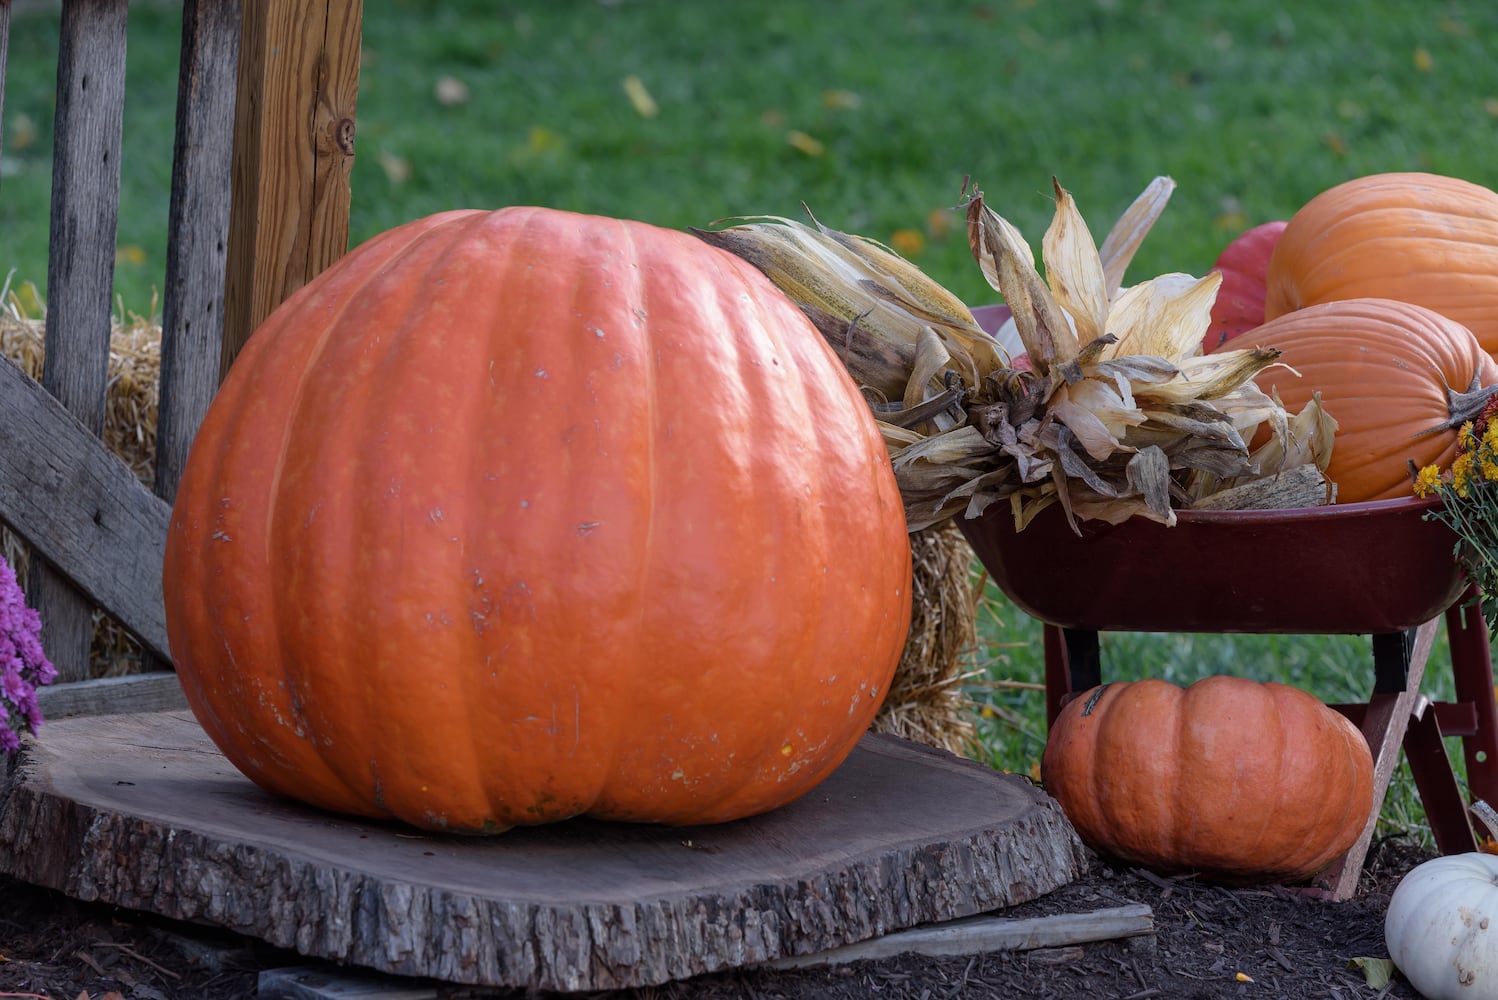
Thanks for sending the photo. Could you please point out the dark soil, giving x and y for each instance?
(1289, 944)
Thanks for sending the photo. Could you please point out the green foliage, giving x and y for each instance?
(1252, 108)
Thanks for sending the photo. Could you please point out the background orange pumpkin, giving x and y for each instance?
(1230, 778)
(1418, 237)
(514, 516)
(1390, 373)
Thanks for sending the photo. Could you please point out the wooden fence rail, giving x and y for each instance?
(263, 148)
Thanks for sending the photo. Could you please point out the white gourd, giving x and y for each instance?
(1442, 927)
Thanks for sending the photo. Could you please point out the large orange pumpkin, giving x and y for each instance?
(1395, 377)
(519, 515)
(1230, 778)
(1419, 237)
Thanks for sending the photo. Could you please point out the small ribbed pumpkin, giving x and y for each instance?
(514, 516)
(1418, 237)
(1398, 378)
(1233, 779)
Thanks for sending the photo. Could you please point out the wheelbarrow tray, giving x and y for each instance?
(1378, 566)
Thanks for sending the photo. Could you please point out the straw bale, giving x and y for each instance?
(928, 700)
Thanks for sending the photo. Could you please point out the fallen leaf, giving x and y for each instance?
(541, 139)
(450, 90)
(640, 97)
(22, 132)
(1378, 971)
(939, 223)
(909, 242)
(840, 100)
(129, 254)
(805, 143)
(397, 170)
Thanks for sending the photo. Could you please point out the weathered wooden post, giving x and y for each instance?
(80, 274)
(298, 87)
(260, 203)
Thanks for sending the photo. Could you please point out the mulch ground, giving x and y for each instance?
(1288, 944)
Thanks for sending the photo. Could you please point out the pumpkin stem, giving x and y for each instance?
(1463, 406)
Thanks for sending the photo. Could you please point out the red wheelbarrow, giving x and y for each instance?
(1379, 568)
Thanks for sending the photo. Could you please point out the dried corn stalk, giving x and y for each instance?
(1113, 414)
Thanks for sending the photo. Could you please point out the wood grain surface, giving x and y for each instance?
(143, 812)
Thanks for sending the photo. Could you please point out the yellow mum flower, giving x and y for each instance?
(1489, 463)
(1466, 437)
(1490, 435)
(1428, 481)
(1461, 474)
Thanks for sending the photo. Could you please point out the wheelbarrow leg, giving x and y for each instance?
(1445, 805)
(1383, 720)
(1471, 662)
(1073, 662)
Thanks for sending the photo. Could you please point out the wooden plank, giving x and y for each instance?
(197, 253)
(294, 152)
(977, 935)
(80, 271)
(328, 982)
(1384, 722)
(79, 506)
(4, 48)
(158, 691)
(899, 835)
(970, 936)
(192, 322)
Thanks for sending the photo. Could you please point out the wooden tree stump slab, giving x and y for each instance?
(142, 811)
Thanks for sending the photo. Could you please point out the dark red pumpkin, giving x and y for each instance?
(515, 516)
(1243, 265)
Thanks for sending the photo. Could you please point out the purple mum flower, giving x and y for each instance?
(23, 664)
(12, 685)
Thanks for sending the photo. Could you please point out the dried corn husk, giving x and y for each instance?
(1116, 413)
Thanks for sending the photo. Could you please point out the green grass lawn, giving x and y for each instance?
(873, 114)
